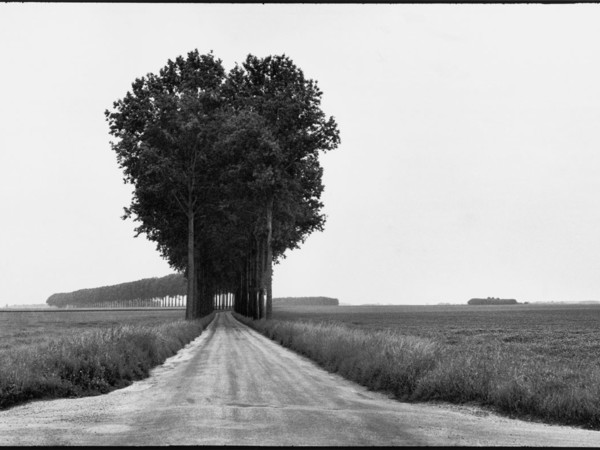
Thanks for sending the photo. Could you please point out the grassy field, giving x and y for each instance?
(531, 361)
(37, 327)
(76, 353)
(568, 332)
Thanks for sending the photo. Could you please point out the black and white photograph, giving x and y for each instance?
(300, 224)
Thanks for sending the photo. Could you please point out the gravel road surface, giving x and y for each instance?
(232, 386)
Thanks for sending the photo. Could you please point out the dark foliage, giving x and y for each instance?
(145, 289)
(225, 170)
(492, 301)
(306, 301)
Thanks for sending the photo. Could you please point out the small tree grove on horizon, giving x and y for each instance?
(225, 171)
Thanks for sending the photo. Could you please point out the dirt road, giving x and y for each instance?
(232, 386)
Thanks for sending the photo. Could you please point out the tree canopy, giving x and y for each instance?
(225, 170)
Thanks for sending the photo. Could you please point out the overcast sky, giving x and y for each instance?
(469, 164)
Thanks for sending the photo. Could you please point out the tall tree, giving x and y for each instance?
(166, 128)
(275, 90)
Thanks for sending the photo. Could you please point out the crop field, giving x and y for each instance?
(539, 362)
(34, 327)
(570, 333)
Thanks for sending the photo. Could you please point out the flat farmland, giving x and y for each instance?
(35, 327)
(540, 362)
(569, 332)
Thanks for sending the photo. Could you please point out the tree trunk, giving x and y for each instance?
(259, 279)
(236, 300)
(200, 288)
(269, 260)
(252, 287)
(243, 306)
(191, 269)
(247, 293)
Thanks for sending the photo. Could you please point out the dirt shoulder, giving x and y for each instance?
(233, 386)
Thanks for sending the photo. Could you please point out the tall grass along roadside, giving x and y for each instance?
(91, 362)
(412, 368)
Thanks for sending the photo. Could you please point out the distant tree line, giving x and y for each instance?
(168, 291)
(225, 171)
(492, 301)
(310, 301)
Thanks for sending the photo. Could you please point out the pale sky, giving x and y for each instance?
(469, 164)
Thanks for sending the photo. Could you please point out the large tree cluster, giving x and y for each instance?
(225, 170)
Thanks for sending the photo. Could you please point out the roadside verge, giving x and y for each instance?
(418, 369)
(91, 363)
